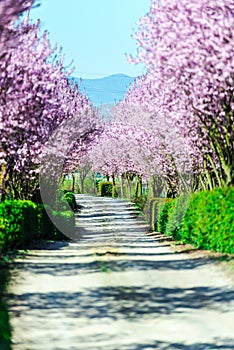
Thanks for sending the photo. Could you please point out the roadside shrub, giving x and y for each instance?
(204, 219)
(105, 189)
(165, 209)
(140, 202)
(209, 220)
(46, 228)
(153, 212)
(61, 204)
(71, 199)
(64, 200)
(175, 216)
(4, 227)
(22, 223)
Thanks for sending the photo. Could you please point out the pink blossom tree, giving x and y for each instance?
(35, 100)
(144, 107)
(188, 49)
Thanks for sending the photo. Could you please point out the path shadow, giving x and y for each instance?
(123, 302)
(218, 344)
(48, 245)
(114, 264)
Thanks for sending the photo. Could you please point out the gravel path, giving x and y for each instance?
(118, 288)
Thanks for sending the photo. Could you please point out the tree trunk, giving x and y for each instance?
(129, 189)
(73, 183)
(122, 186)
(94, 183)
(140, 185)
(113, 185)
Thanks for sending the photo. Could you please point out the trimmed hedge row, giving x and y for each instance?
(209, 221)
(105, 188)
(157, 213)
(65, 200)
(204, 219)
(18, 223)
(71, 199)
(22, 222)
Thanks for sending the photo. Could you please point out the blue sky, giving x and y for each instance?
(95, 34)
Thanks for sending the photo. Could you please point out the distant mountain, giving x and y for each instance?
(105, 91)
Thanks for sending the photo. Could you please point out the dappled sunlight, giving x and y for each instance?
(118, 286)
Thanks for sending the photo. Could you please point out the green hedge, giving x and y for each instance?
(209, 221)
(22, 222)
(105, 188)
(19, 223)
(71, 199)
(157, 213)
(204, 219)
(175, 215)
(164, 210)
(64, 201)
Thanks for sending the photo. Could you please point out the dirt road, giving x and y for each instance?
(118, 288)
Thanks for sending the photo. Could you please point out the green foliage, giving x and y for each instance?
(67, 185)
(165, 209)
(97, 181)
(204, 219)
(46, 228)
(22, 222)
(19, 223)
(4, 227)
(175, 216)
(140, 202)
(64, 201)
(71, 199)
(153, 211)
(105, 189)
(61, 204)
(209, 220)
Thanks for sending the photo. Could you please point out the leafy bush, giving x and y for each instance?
(22, 222)
(165, 209)
(61, 204)
(209, 220)
(71, 199)
(140, 202)
(64, 201)
(21, 225)
(46, 228)
(204, 219)
(105, 188)
(175, 216)
(153, 212)
(4, 227)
